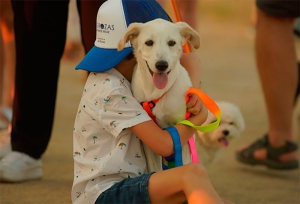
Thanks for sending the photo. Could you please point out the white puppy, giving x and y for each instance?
(158, 73)
(209, 145)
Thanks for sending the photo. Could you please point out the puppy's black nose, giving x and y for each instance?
(225, 132)
(161, 65)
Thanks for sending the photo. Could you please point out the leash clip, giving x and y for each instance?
(151, 104)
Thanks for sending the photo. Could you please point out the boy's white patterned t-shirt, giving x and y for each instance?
(105, 150)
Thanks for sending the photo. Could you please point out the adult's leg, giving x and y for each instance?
(277, 67)
(188, 10)
(88, 10)
(7, 63)
(40, 31)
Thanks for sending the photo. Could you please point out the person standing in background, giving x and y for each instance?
(279, 76)
(40, 36)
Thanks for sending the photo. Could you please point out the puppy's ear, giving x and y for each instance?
(130, 34)
(189, 34)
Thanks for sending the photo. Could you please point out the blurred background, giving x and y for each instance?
(227, 29)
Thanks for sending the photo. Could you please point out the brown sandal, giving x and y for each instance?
(247, 155)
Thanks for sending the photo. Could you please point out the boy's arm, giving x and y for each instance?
(159, 140)
(191, 63)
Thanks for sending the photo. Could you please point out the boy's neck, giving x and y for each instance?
(126, 68)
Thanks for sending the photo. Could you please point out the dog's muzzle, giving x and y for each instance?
(160, 66)
(160, 78)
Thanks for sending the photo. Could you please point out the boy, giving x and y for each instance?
(110, 165)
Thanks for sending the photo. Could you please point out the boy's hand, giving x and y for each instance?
(197, 109)
(194, 105)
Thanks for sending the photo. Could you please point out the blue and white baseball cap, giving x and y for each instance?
(113, 18)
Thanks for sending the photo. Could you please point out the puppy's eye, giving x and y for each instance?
(231, 123)
(149, 43)
(171, 43)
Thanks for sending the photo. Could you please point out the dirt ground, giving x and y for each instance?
(228, 74)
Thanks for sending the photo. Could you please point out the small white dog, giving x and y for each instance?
(158, 73)
(209, 145)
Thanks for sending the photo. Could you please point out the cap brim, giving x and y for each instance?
(100, 60)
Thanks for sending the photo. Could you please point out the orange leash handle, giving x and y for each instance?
(211, 106)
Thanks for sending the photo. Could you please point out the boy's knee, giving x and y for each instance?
(195, 170)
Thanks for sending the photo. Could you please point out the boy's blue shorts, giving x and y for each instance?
(280, 8)
(129, 190)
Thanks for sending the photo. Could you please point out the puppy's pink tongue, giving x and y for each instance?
(160, 80)
(224, 142)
